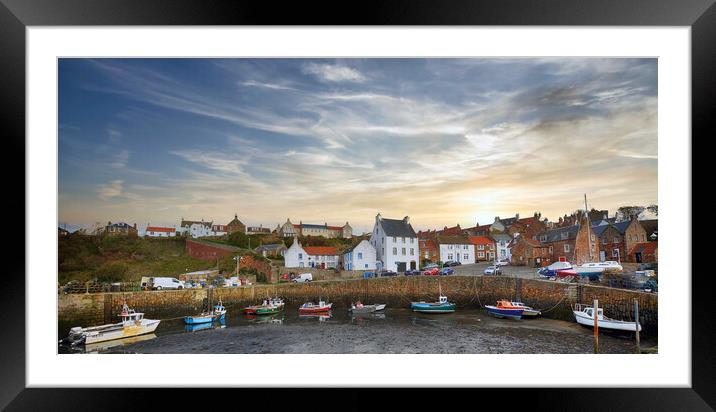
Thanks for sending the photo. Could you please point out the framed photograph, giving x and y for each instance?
(428, 196)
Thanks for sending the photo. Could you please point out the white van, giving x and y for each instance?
(166, 283)
(303, 277)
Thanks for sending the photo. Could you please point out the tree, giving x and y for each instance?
(629, 212)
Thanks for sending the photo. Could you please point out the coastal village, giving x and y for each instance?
(394, 246)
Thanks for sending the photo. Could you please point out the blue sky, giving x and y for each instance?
(445, 141)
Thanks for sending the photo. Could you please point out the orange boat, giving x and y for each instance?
(505, 309)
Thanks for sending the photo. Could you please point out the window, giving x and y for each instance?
(366, 266)
(481, 247)
(412, 252)
(543, 238)
(402, 240)
(615, 253)
(300, 256)
(360, 255)
(551, 250)
(481, 254)
(394, 239)
(402, 251)
(616, 239)
(466, 256)
(604, 240)
(566, 248)
(395, 251)
(412, 240)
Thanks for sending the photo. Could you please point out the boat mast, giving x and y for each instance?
(589, 224)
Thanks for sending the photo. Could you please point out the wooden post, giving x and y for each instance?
(636, 321)
(596, 326)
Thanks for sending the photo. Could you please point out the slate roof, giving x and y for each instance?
(272, 246)
(622, 226)
(555, 235)
(397, 228)
(500, 237)
(187, 223)
(598, 230)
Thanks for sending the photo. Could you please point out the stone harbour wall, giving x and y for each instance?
(554, 298)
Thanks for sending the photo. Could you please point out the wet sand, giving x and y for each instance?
(398, 331)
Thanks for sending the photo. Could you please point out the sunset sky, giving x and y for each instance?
(444, 141)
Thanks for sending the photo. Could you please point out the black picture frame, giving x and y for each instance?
(16, 15)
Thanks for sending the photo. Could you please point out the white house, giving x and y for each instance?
(502, 243)
(457, 248)
(395, 243)
(321, 257)
(158, 231)
(196, 229)
(360, 257)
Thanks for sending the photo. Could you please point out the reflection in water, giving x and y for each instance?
(201, 326)
(321, 316)
(274, 319)
(104, 346)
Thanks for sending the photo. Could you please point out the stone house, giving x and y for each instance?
(120, 229)
(310, 229)
(275, 249)
(560, 242)
(610, 242)
(485, 249)
(428, 250)
(529, 252)
(235, 225)
(646, 252)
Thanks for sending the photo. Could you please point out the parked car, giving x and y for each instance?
(502, 262)
(493, 270)
(159, 283)
(447, 271)
(450, 263)
(388, 273)
(412, 272)
(303, 277)
(431, 272)
(430, 266)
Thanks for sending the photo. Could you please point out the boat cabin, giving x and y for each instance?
(590, 312)
(443, 299)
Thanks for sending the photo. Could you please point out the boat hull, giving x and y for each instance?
(267, 311)
(193, 320)
(423, 307)
(504, 313)
(609, 324)
(530, 312)
(147, 326)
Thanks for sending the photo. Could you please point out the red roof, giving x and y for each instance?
(321, 250)
(335, 228)
(481, 240)
(455, 230)
(160, 229)
(648, 248)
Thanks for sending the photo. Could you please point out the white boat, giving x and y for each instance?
(527, 310)
(361, 308)
(584, 315)
(132, 324)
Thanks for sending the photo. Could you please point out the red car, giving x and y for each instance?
(431, 272)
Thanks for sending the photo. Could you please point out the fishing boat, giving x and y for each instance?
(441, 306)
(595, 269)
(526, 310)
(267, 310)
(310, 307)
(268, 306)
(358, 307)
(584, 315)
(505, 309)
(131, 324)
(207, 317)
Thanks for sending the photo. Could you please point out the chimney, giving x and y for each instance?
(406, 219)
(135, 225)
(517, 216)
(236, 216)
(109, 223)
(377, 218)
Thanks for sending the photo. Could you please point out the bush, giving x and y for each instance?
(111, 272)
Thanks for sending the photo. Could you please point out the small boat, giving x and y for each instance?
(201, 326)
(505, 309)
(584, 315)
(132, 324)
(207, 317)
(267, 307)
(441, 306)
(358, 307)
(267, 310)
(526, 310)
(595, 269)
(310, 307)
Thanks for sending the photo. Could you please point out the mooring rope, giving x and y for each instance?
(557, 304)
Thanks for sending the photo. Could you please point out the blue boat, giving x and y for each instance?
(202, 326)
(441, 306)
(207, 317)
(505, 309)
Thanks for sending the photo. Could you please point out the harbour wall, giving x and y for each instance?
(554, 298)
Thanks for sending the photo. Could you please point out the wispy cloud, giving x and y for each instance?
(443, 140)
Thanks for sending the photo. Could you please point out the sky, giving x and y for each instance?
(444, 141)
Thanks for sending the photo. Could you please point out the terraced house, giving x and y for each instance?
(310, 229)
(321, 257)
(456, 248)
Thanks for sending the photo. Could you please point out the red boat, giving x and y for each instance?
(566, 272)
(311, 307)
